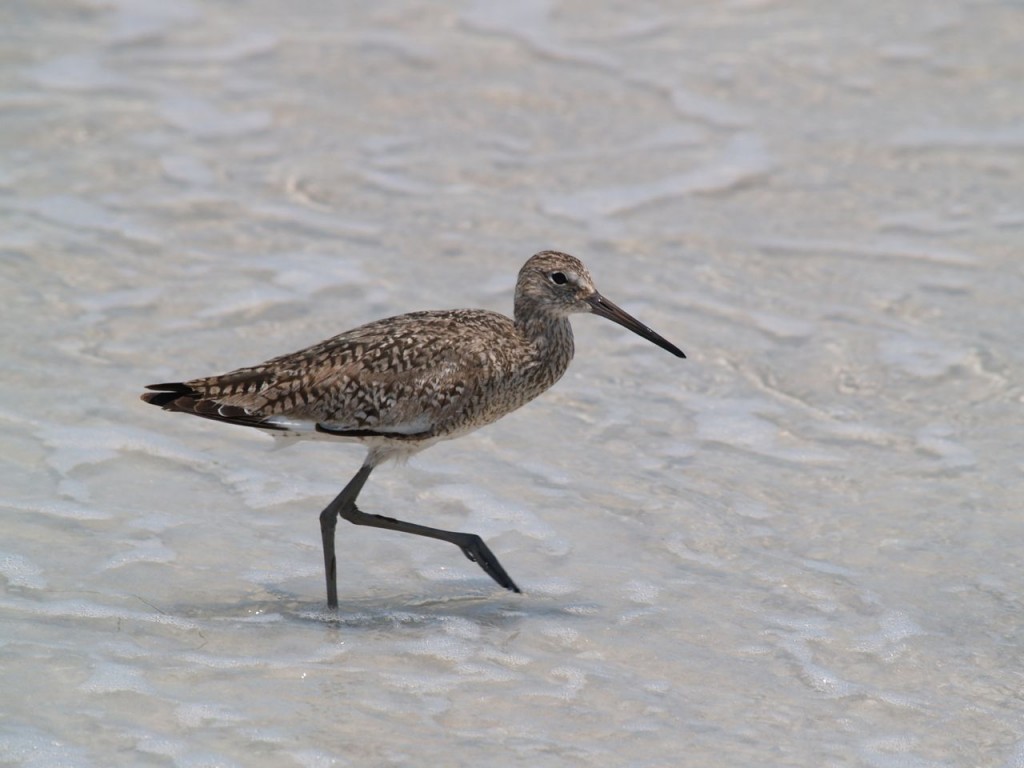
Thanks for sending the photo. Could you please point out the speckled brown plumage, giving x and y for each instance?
(403, 383)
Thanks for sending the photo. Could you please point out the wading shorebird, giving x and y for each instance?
(401, 384)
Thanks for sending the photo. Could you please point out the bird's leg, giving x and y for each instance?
(329, 519)
(472, 546)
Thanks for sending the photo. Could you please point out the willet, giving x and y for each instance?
(404, 383)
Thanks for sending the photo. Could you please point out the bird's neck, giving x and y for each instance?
(550, 338)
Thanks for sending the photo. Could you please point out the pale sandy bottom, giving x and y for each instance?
(798, 547)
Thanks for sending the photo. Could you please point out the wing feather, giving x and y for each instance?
(406, 377)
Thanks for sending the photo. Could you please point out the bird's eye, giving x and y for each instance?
(559, 278)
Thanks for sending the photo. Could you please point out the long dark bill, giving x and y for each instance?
(601, 306)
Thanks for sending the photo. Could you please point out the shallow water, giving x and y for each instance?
(797, 547)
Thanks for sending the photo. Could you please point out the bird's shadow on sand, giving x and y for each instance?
(389, 611)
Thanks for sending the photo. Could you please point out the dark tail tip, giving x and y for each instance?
(166, 394)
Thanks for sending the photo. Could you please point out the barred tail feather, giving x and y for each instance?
(177, 396)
